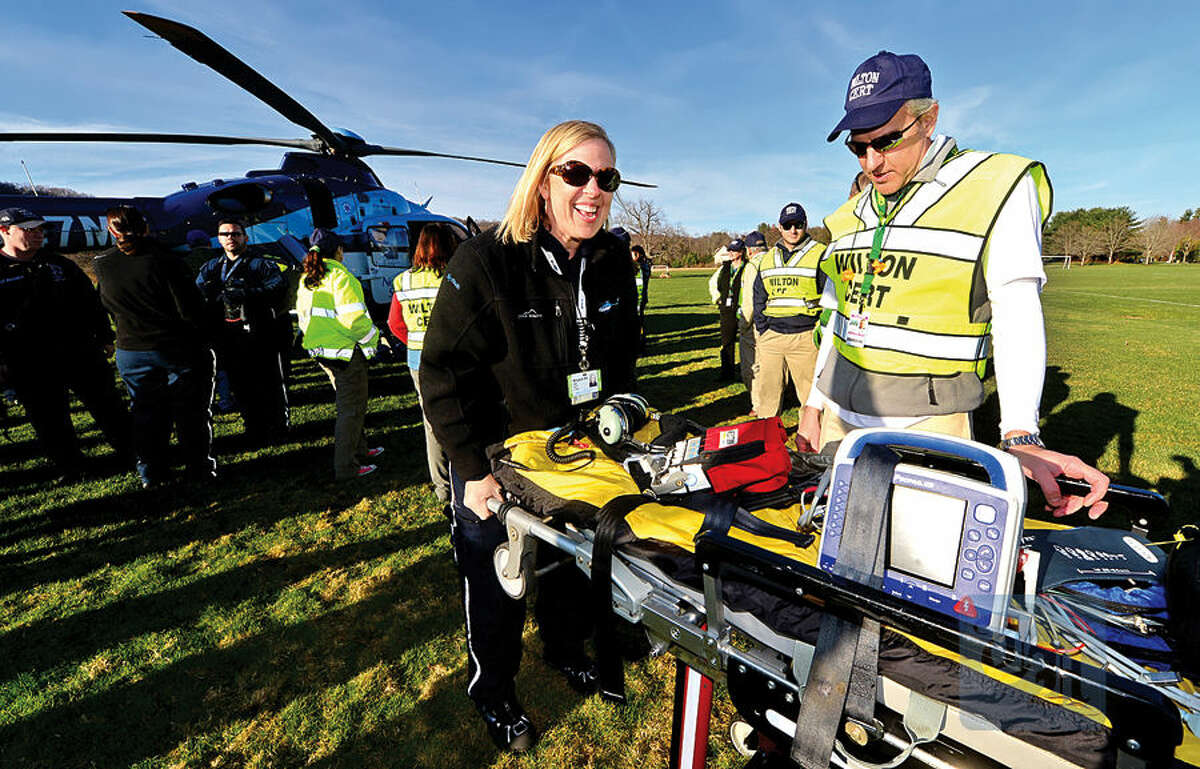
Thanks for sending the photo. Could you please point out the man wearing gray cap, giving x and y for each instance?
(930, 268)
(55, 335)
(785, 300)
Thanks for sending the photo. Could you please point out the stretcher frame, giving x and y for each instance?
(765, 670)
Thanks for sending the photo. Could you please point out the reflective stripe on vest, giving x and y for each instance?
(791, 286)
(415, 290)
(928, 311)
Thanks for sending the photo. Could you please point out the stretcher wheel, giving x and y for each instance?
(514, 587)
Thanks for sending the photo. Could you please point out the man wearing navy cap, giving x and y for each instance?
(931, 267)
(786, 304)
(724, 287)
(55, 336)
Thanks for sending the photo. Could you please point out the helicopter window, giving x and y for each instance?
(240, 199)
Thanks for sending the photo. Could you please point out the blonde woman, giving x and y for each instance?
(532, 322)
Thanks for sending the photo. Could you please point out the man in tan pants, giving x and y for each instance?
(786, 305)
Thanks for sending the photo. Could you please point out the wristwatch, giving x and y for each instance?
(1029, 439)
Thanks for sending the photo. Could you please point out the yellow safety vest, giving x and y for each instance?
(791, 280)
(927, 307)
(416, 289)
(333, 316)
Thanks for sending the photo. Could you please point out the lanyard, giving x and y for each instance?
(880, 205)
(581, 321)
(229, 267)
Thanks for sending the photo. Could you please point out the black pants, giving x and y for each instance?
(729, 336)
(494, 620)
(252, 361)
(42, 384)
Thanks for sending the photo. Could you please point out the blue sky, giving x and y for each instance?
(725, 105)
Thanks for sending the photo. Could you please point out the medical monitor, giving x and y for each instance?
(951, 539)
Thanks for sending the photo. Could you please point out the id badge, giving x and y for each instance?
(583, 386)
(856, 329)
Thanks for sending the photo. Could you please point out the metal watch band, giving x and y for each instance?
(1022, 440)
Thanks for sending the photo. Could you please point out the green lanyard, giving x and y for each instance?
(880, 205)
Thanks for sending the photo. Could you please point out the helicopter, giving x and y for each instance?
(322, 182)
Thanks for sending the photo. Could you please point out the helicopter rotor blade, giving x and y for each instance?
(313, 145)
(208, 52)
(375, 149)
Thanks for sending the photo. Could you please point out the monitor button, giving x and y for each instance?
(993, 534)
(973, 536)
(969, 555)
(986, 553)
(968, 574)
(985, 514)
(985, 566)
(985, 586)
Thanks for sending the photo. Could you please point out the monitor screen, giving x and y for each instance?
(926, 534)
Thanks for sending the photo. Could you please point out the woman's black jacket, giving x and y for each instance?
(502, 339)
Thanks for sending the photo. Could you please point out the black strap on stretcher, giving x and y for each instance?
(722, 513)
(848, 651)
(610, 521)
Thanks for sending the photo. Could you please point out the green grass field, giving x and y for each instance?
(284, 621)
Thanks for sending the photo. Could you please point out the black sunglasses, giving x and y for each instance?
(791, 226)
(885, 143)
(577, 174)
(231, 234)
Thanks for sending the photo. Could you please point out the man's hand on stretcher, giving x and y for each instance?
(477, 493)
(1043, 466)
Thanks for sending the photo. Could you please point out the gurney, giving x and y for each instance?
(747, 607)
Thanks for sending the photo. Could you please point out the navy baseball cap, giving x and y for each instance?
(20, 217)
(794, 212)
(324, 241)
(736, 245)
(879, 87)
(621, 233)
(755, 240)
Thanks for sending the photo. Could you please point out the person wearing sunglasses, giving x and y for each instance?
(785, 299)
(533, 323)
(930, 268)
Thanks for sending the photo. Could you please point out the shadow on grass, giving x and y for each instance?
(247, 679)
(50, 642)
(141, 523)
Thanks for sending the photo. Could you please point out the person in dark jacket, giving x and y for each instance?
(55, 337)
(532, 323)
(162, 355)
(244, 292)
(725, 290)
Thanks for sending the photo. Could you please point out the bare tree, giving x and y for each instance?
(1155, 237)
(1074, 239)
(644, 221)
(1185, 238)
(1117, 231)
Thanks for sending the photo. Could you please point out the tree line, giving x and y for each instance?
(11, 188)
(1116, 234)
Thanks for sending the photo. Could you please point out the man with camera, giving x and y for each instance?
(243, 292)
